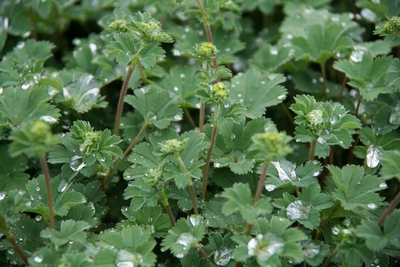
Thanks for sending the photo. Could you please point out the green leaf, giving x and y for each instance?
(233, 140)
(83, 94)
(239, 199)
(19, 106)
(141, 194)
(31, 53)
(181, 82)
(124, 48)
(149, 54)
(155, 106)
(150, 217)
(69, 231)
(282, 172)
(131, 245)
(390, 165)
(12, 171)
(321, 42)
(186, 234)
(366, 74)
(257, 91)
(354, 189)
(270, 58)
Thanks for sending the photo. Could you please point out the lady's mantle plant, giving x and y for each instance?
(199, 133)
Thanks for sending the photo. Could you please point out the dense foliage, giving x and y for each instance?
(199, 133)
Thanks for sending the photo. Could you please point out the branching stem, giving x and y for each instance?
(120, 107)
(46, 173)
(190, 184)
(260, 187)
(330, 258)
(389, 209)
(108, 177)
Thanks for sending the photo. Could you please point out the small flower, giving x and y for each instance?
(154, 176)
(151, 29)
(204, 50)
(119, 25)
(392, 26)
(269, 146)
(315, 117)
(91, 142)
(173, 146)
(219, 92)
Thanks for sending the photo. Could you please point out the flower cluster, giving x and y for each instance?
(269, 146)
(204, 50)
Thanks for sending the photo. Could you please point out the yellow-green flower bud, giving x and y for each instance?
(204, 50)
(315, 117)
(219, 92)
(41, 131)
(173, 146)
(392, 26)
(270, 146)
(119, 25)
(91, 143)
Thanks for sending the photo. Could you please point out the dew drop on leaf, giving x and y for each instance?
(1, 90)
(48, 119)
(335, 230)
(270, 187)
(223, 256)
(273, 51)
(176, 88)
(5, 23)
(77, 163)
(311, 251)
(2, 195)
(373, 156)
(186, 240)
(298, 210)
(395, 115)
(383, 185)
(177, 117)
(357, 55)
(372, 206)
(217, 164)
(62, 186)
(38, 259)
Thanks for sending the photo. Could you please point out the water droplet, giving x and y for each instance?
(270, 187)
(186, 240)
(1, 90)
(311, 251)
(77, 163)
(62, 186)
(217, 165)
(289, 36)
(195, 220)
(239, 95)
(37, 188)
(316, 173)
(383, 185)
(38, 218)
(38, 259)
(5, 23)
(373, 156)
(367, 14)
(176, 52)
(321, 140)
(233, 136)
(357, 55)
(282, 96)
(286, 171)
(48, 119)
(335, 230)
(223, 256)
(26, 86)
(125, 264)
(372, 206)
(395, 115)
(273, 51)
(93, 47)
(177, 117)
(265, 246)
(314, 81)
(298, 210)
(228, 49)
(2, 195)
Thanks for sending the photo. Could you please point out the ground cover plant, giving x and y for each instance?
(199, 133)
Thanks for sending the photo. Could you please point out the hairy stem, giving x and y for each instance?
(189, 117)
(164, 200)
(108, 177)
(120, 107)
(358, 105)
(311, 154)
(190, 184)
(142, 74)
(389, 209)
(323, 72)
(46, 173)
(4, 225)
(330, 258)
(201, 117)
(260, 187)
(208, 159)
(321, 229)
(342, 86)
(32, 18)
(200, 248)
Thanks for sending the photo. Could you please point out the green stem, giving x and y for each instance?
(319, 230)
(189, 117)
(142, 74)
(200, 248)
(260, 187)
(208, 159)
(323, 72)
(342, 86)
(287, 112)
(201, 117)
(330, 258)
(164, 200)
(108, 177)
(190, 184)
(46, 173)
(311, 154)
(389, 209)
(358, 105)
(120, 107)
(32, 18)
